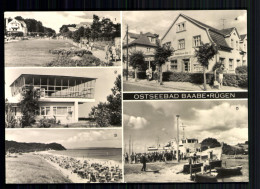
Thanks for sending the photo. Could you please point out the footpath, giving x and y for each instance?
(175, 86)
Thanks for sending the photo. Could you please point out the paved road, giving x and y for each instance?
(133, 87)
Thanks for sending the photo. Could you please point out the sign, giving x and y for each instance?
(149, 59)
(182, 53)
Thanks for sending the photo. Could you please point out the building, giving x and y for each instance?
(186, 33)
(13, 26)
(141, 42)
(60, 96)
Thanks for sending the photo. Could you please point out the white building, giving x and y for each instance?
(185, 34)
(60, 96)
(145, 42)
(16, 26)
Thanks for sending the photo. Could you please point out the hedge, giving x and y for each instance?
(234, 80)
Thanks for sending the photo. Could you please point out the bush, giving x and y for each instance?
(47, 122)
(67, 61)
(197, 78)
(241, 70)
(70, 52)
(16, 34)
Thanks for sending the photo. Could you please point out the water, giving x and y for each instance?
(244, 177)
(95, 153)
(32, 52)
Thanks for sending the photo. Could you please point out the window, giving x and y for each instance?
(196, 41)
(167, 44)
(237, 45)
(44, 110)
(174, 65)
(231, 63)
(181, 27)
(148, 49)
(232, 43)
(186, 63)
(222, 60)
(181, 44)
(238, 63)
(61, 110)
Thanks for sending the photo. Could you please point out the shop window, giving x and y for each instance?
(181, 44)
(231, 64)
(196, 41)
(174, 65)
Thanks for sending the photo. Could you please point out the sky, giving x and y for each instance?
(104, 83)
(69, 138)
(159, 21)
(55, 20)
(149, 121)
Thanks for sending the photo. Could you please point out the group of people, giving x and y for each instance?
(135, 158)
(93, 172)
(113, 53)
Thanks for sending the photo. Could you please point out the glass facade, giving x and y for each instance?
(56, 86)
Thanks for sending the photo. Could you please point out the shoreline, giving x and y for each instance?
(74, 176)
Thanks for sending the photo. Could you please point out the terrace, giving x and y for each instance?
(52, 86)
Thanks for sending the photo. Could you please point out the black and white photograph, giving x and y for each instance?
(186, 141)
(63, 156)
(62, 98)
(62, 39)
(185, 50)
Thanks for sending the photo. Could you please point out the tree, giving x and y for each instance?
(95, 27)
(29, 106)
(109, 113)
(78, 34)
(204, 54)
(136, 61)
(161, 55)
(209, 143)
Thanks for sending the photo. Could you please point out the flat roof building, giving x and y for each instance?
(59, 96)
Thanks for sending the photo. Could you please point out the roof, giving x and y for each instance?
(133, 35)
(227, 31)
(242, 37)
(142, 40)
(217, 36)
(21, 21)
(53, 76)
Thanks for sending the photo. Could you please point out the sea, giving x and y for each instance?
(243, 177)
(114, 154)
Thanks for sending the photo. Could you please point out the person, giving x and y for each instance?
(194, 158)
(220, 75)
(143, 161)
(147, 74)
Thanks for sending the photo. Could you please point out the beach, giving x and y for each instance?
(80, 170)
(167, 173)
(44, 167)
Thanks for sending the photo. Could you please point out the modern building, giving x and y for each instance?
(59, 96)
(145, 42)
(13, 25)
(185, 34)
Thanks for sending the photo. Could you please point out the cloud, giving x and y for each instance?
(135, 122)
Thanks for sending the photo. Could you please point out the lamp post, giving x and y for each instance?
(178, 116)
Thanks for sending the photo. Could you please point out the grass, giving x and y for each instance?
(28, 168)
(32, 52)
